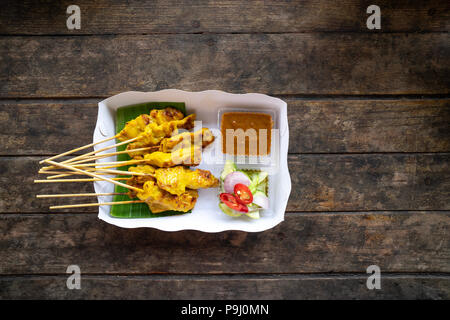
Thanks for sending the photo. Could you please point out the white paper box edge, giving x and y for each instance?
(193, 100)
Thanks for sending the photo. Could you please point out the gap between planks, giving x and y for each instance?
(238, 276)
(312, 97)
(287, 213)
(112, 34)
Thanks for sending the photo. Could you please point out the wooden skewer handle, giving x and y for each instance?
(76, 180)
(93, 175)
(78, 149)
(116, 163)
(95, 204)
(101, 156)
(100, 150)
(69, 195)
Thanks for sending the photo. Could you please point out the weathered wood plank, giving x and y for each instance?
(226, 287)
(46, 127)
(368, 126)
(316, 126)
(319, 183)
(224, 16)
(369, 182)
(270, 63)
(303, 243)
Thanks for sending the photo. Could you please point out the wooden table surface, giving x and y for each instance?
(369, 149)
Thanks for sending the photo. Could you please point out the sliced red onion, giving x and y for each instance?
(234, 178)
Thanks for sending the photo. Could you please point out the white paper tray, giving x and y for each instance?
(206, 216)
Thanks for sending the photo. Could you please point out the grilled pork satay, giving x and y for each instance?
(187, 139)
(154, 133)
(160, 200)
(166, 115)
(140, 154)
(176, 179)
(203, 137)
(141, 179)
(135, 127)
(188, 157)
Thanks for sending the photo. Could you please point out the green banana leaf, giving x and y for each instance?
(125, 114)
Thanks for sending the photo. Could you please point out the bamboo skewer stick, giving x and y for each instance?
(151, 149)
(101, 156)
(114, 163)
(120, 172)
(105, 167)
(69, 161)
(95, 204)
(63, 172)
(78, 149)
(67, 195)
(93, 175)
(101, 171)
(106, 155)
(76, 180)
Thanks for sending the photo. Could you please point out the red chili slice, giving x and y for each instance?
(232, 202)
(243, 194)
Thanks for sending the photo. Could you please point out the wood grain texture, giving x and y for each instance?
(369, 182)
(223, 16)
(92, 66)
(370, 177)
(303, 243)
(319, 183)
(46, 127)
(315, 126)
(226, 287)
(341, 126)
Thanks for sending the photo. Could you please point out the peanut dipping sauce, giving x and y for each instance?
(246, 142)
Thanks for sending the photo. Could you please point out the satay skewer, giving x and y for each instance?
(80, 148)
(77, 180)
(113, 164)
(93, 175)
(191, 157)
(61, 172)
(99, 171)
(101, 156)
(179, 124)
(120, 172)
(182, 123)
(69, 161)
(95, 204)
(70, 195)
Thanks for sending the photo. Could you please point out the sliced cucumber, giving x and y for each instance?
(253, 214)
(253, 207)
(228, 211)
(229, 167)
(262, 187)
(259, 182)
(261, 176)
